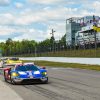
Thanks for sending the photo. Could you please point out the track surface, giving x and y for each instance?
(64, 84)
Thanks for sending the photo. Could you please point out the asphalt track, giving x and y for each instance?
(64, 84)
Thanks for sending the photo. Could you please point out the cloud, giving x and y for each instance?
(44, 15)
(4, 2)
(59, 2)
(6, 30)
(51, 18)
(46, 1)
(32, 34)
(18, 5)
(96, 7)
(50, 13)
(6, 18)
(47, 14)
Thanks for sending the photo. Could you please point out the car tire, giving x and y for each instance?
(12, 82)
(5, 77)
(45, 82)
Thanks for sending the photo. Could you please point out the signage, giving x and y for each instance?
(96, 28)
(89, 27)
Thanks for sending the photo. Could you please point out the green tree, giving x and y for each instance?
(63, 41)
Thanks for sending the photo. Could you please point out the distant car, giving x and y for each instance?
(3, 61)
(10, 61)
(13, 61)
(25, 73)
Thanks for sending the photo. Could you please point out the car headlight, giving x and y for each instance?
(14, 74)
(36, 72)
(44, 73)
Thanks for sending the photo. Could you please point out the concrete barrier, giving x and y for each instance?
(92, 61)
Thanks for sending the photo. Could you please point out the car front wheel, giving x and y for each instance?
(45, 81)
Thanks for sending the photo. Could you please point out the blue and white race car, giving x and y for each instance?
(25, 73)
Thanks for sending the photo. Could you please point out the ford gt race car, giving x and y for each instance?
(22, 73)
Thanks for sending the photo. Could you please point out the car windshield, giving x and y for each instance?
(15, 59)
(27, 68)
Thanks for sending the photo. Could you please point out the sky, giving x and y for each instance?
(34, 19)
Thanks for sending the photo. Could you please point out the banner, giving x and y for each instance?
(96, 28)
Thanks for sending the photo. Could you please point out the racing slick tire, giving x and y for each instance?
(12, 81)
(46, 81)
(5, 77)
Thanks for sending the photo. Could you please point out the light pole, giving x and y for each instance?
(53, 39)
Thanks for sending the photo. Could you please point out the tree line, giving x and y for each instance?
(11, 47)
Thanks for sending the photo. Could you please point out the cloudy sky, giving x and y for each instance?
(34, 19)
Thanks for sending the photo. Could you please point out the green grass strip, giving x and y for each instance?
(66, 65)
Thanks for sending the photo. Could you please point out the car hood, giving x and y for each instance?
(27, 74)
(11, 61)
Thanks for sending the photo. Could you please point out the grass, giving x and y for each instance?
(66, 65)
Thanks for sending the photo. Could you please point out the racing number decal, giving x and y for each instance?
(30, 74)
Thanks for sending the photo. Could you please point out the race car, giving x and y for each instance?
(22, 73)
(3, 61)
(10, 61)
(13, 61)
